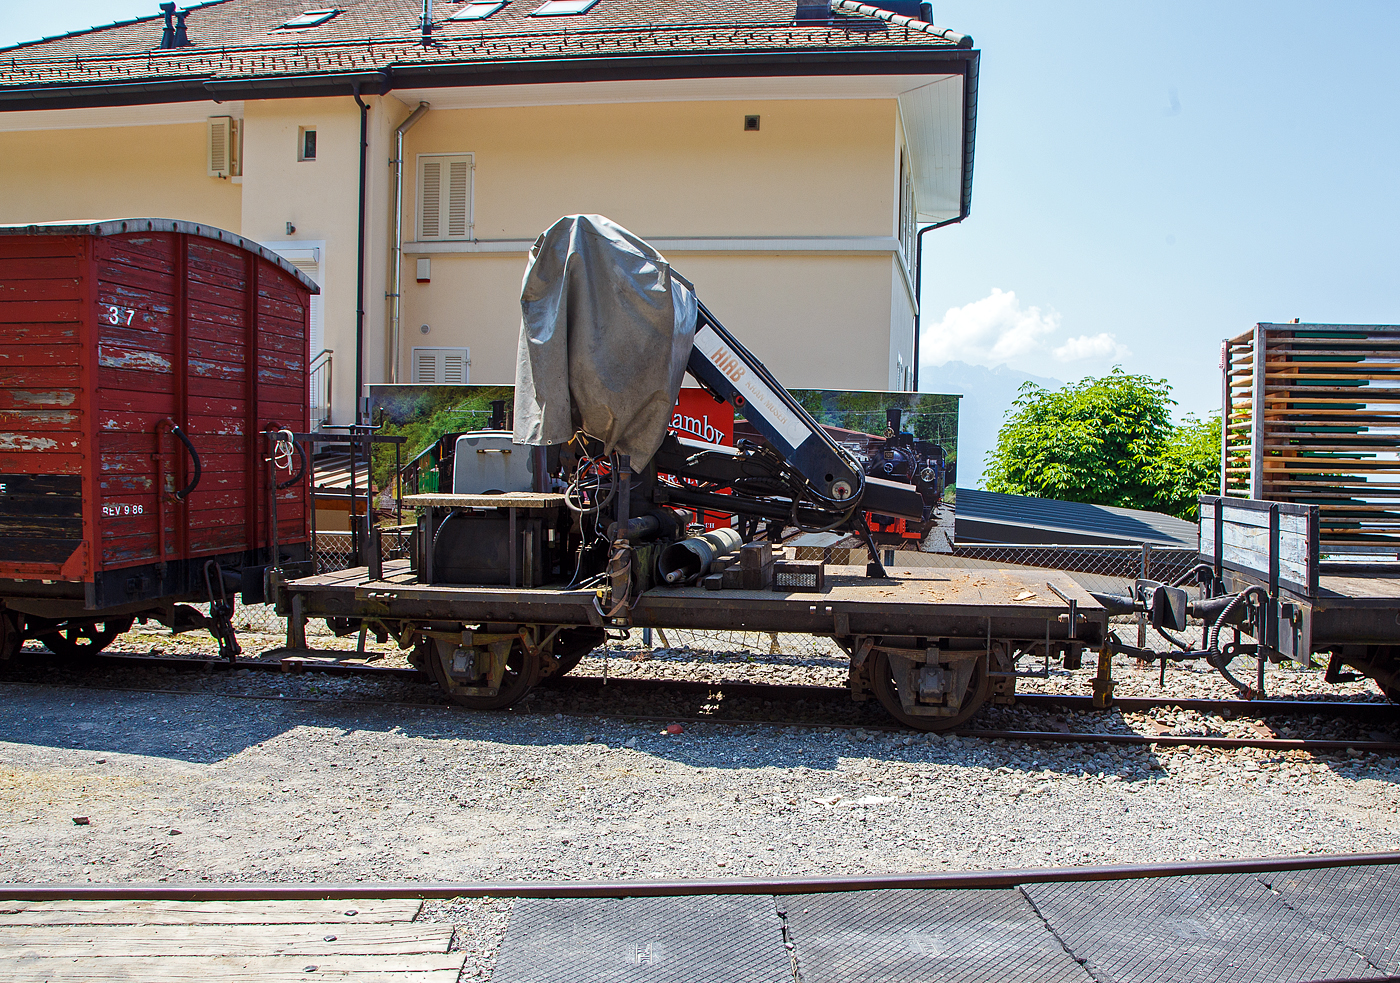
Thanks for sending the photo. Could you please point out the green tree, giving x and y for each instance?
(1105, 441)
(1188, 467)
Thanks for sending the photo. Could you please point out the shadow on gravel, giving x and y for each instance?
(205, 729)
(146, 724)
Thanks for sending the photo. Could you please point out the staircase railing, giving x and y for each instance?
(319, 383)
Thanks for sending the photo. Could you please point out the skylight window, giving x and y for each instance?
(554, 8)
(312, 18)
(478, 10)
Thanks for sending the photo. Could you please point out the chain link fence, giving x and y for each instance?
(1107, 568)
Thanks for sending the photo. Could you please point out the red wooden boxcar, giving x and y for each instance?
(141, 360)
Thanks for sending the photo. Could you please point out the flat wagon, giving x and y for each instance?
(141, 363)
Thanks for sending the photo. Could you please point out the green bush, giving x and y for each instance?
(1106, 441)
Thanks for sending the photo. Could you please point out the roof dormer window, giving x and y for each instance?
(312, 18)
(478, 10)
(556, 8)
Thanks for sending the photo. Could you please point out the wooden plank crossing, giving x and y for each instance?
(205, 912)
(234, 969)
(202, 942)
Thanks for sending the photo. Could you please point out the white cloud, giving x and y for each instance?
(997, 330)
(989, 331)
(1101, 345)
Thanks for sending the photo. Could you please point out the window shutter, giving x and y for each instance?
(444, 196)
(442, 366)
(458, 189)
(431, 182)
(220, 146)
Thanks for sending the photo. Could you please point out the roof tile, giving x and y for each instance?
(233, 39)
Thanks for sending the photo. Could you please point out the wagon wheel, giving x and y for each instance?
(521, 673)
(83, 639)
(882, 682)
(572, 644)
(11, 634)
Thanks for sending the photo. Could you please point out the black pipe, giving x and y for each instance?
(360, 262)
(663, 889)
(919, 284)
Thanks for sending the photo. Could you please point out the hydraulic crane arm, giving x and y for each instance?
(830, 478)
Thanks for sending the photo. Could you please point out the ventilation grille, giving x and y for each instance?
(444, 366)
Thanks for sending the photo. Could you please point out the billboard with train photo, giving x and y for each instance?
(900, 436)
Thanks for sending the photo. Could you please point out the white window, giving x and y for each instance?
(312, 18)
(449, 366)
(478, 11)
(554, 8)
(908, 215)
(444, 196)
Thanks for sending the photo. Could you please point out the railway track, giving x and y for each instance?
(918, 881)
(778, 694)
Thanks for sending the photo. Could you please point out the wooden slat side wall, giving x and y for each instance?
(44, 408)
(137, 324)
(1312, 415)
(1245, 536)
(217, 286)
(283, 308)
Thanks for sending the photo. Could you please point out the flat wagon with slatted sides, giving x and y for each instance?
(142, 363)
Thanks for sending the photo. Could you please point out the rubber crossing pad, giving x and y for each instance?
(716, 939)
(909, 936)
(1221, 928)
(1357, 906)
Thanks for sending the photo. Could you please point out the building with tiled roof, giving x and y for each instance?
(784, 156)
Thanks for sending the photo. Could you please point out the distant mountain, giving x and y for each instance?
(986, 396)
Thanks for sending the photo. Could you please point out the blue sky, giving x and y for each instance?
(1150, 178)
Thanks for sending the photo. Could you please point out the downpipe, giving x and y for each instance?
(396, 273)
(360, 262)
(919, 285)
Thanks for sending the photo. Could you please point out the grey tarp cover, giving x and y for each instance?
(605, 334)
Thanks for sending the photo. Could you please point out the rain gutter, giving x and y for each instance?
(594, 68)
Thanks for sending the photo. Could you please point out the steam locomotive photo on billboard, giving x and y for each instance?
(898, 436)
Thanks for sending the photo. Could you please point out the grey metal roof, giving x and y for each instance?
(993, 517)
(121, 226)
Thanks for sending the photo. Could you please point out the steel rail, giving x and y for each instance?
(926, 881)
(1310, 745)
(1037, 701)
(1174, 740)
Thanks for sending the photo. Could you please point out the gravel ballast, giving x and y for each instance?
(220, 786)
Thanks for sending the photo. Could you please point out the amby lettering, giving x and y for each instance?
(700, 428)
